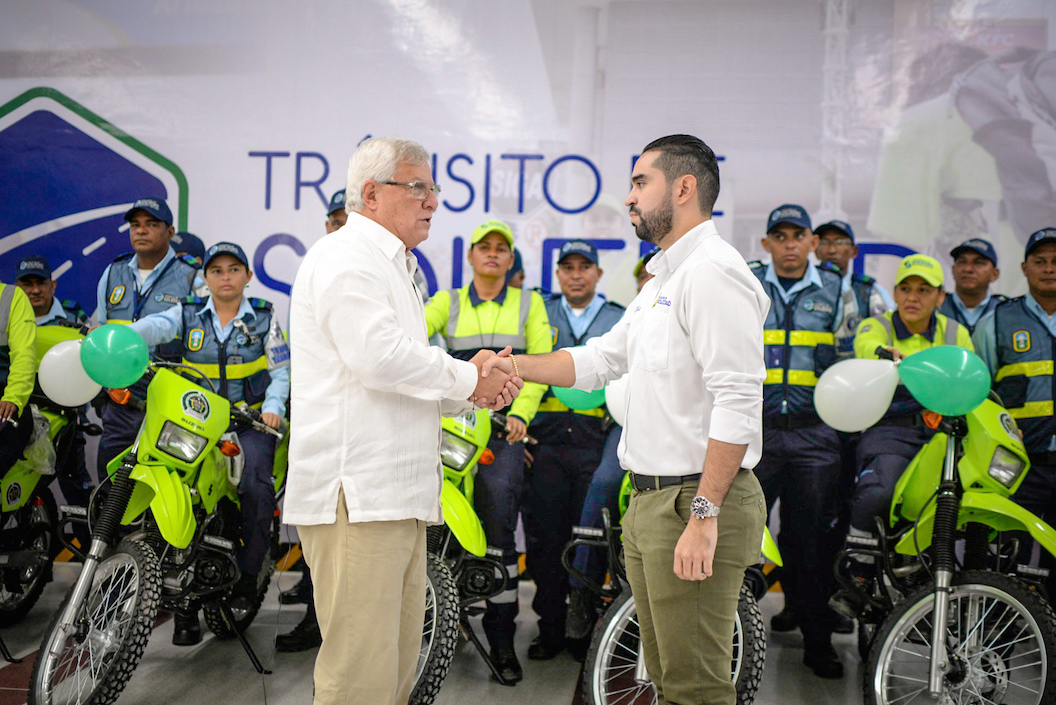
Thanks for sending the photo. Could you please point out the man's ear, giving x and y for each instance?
(997, 275)
(766, 245)
(370, 194)
(687, 189)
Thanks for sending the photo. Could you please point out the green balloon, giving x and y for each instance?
(578, 400)
(114, 356)
(948, 380)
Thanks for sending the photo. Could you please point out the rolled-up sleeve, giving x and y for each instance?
(724, 314)
(354, 311)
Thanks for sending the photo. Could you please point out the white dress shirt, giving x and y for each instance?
(366, 385)
(692, 341)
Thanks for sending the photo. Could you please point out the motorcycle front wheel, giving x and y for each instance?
(611, 662)
(1000, 638)
(92, 659)
(439, 633)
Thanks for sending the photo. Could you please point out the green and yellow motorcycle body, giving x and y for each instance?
(464, 439)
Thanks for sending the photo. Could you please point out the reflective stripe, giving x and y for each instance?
(479, 340)
(117, 322)
(452, 314)
(951, 331)
(805, 338)
(1032, 410)
(6, 298)
(950, 337)
(508, 595)
(889, 327)
(801, 378)
(553, 404)
(473, 342)
(1028, 369)
(236, 371)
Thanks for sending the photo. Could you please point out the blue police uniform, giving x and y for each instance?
(800, 462)
(954, 308)
(861, 298)
(569, 451)
(123, 299)
(243, 367)
(1017, 340)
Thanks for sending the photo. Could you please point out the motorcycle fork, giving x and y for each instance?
(947, 506)
(103, 535)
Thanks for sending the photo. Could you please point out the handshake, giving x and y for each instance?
(497, 383)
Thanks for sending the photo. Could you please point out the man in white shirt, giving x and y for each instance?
(692, 341)
(367, 394)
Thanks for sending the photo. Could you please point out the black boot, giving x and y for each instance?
(784, 621)
(823, 660)
(294, 596)
(506, 661)
(304, 636)
(186, 630)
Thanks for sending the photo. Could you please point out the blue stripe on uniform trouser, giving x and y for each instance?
(256, 491)
(497, 497)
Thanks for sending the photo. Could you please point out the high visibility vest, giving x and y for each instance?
(464, 336)
(950, 310)
(799, 343)
(1024, 378)
(7, 295)
(237, 366)
(856, 303)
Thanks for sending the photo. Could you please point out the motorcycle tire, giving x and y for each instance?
(32, 526)
(988, 657)
(609, 667)
(439, 633)
(121, 607)
(866, 637)
(244, 608)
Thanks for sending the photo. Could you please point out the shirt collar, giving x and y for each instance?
(475, 300)
(667, 261)
(56, 311)
(244, 307)
(1034, 307)
(390, 245)
(133, 261)
(960, 304)
(845, 284)
(901, 332)
(597, 302)
(811, 276)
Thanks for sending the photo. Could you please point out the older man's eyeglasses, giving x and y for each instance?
(420, 190)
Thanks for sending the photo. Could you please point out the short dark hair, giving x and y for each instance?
(686, 154)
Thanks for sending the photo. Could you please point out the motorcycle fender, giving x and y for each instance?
(462, 519)
(168, 498)
(17, 486)
(770, 551)
(1002, 514)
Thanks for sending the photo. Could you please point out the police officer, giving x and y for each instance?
(862, 295)
(148, 280)
(570, 444)
(238, 344)
(185, 243)
(1016, 342)
(515, 277)
(489, 314)
(336, 215)
(18, 369)
(801, 455)
(974, 270)
(33, 276)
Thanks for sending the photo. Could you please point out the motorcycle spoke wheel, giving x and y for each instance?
(1000, 637)
(439, 631)
(20, 588)
(95, 655)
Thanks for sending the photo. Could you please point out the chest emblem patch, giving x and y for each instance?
(195, 338)
(116, 294)
(1021, 341)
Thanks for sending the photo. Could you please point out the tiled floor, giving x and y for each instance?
(219, 672)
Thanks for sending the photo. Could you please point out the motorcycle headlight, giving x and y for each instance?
(456, 452)
(180, 443)
(1006, 467)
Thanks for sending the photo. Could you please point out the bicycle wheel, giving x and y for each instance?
(92, 659)
(1000, 638)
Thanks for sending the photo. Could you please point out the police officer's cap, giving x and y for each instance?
(225, 248)
(188, 243)
(585, 248)
(976, 244)
(337, 202)
(157, 207)
(841, 227)
(492, 226)
(1039, 238)
(33, 266)
(788, 213)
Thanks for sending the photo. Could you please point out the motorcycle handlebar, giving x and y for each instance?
(252, 417)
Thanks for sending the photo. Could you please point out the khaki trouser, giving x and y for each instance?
(369, 581)
(687, 626)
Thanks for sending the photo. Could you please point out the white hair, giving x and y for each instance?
(377, 159)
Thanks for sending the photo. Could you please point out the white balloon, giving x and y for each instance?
(853, 395)
(616, 398)
(62, 376)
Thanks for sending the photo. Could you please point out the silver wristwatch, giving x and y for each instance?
(702, 507)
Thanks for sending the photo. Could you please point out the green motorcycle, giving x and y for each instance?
(966, 626)
(614, 669)
(28, 515)
(177, 488)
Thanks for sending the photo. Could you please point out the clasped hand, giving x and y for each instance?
(496, 387)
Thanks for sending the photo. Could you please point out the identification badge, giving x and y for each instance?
(116, 294)
(1021, 341)
(235, 359)
(195, 338)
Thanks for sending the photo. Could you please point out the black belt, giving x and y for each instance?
(643, 483)
(788, 423)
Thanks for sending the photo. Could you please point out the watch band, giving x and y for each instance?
(703, 508)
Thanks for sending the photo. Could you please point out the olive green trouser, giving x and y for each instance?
(687, 626)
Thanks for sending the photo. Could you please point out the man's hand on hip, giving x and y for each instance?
(695, 549)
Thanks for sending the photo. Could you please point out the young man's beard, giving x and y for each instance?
(655, 226)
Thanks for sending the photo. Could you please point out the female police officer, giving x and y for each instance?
(237, 342)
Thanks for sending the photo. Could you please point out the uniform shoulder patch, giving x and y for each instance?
(863, 278)
(124, 257)
(190, 260)
(1021, 341)
(829, 267)
(262, 304)
(756, 264)
(192, 299)
(615, 305)
(70, 305)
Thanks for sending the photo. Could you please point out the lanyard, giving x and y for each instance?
(138, 300)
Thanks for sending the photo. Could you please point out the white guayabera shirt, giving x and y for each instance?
(367, 389)
(692, 341)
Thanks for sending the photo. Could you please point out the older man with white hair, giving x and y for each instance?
(367, 395)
